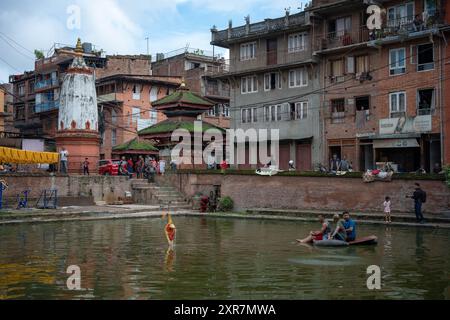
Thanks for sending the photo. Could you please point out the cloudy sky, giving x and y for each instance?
(120, 26)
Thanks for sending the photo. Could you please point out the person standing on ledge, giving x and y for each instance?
(86, 167)
(419, 197)
(63, 156)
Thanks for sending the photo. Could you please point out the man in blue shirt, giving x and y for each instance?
(350, 227)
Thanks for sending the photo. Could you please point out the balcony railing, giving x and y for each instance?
(217, 92)
(45, 84)
(46, 106)
(401, 27)
(343, 38)
(267, 26)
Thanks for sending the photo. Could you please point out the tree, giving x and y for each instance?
(39, 54)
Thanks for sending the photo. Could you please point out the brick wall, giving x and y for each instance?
(125, 65)
(99, 187)
(315, 193)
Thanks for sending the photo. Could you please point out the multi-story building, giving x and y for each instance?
(446, 99)
(25, 117)
(36, 102)
(9, 135)
(198, 68)
(273, 76)
(383, 90)
(125, 104)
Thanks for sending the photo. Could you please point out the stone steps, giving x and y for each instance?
(398, 217)
(154, 194)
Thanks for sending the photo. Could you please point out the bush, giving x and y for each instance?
(226, 204)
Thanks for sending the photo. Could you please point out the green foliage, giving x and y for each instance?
(39, 54)
(226, 204)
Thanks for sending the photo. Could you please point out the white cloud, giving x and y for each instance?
(121, 26)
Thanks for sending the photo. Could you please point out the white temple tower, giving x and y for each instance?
(78, 115)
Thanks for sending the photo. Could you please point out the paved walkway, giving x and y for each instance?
(111, 212)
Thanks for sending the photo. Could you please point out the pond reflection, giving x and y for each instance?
(217, 259)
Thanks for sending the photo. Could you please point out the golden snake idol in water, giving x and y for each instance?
(170, 230)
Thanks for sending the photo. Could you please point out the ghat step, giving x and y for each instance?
(154, 194)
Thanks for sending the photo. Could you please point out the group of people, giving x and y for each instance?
(340, 229)
(143, 167)
(345, 229)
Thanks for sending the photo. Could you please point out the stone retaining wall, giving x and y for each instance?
(100, 188)
(313, 193)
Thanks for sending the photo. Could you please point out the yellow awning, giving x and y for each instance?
(8, 155)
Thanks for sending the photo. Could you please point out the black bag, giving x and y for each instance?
(424, 197)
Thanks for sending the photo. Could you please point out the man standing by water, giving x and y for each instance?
(63, 156)
(419, 197)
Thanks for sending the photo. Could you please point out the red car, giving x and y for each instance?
(108, 167)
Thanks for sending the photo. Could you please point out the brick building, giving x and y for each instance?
(198, 68)
(383, 96)
(446, 98)
(125, 104)
(36, 93)
(272, 75)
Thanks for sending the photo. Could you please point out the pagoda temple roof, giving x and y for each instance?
(168, 126)
(136, 145)
(183, 97)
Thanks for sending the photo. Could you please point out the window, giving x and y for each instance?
(272, 81)
(397, 61)
(298, 110)
(114, 117)
(337, 70)
(136, 115)
(425, 102)
(339, 27)
(298, 78)
(361, 64)
(114, 137)
(297, 42)
(137, 92)
(338, 105)
(400, 15)
(254, 114)
(249, 115)
(154, 117)
(267, 114)
(337, 110)
(248, 51)
(301, 110)
(362, 103)
(21, 90)
(154, 94)
(226, 110)
(425, 57)
(249, 84)
(273, 113)
(279, 112)
(397, 103)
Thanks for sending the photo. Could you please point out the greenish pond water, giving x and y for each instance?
(217, 259)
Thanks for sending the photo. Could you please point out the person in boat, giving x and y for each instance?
(322, 234)
(339, 232)
(350, 227)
